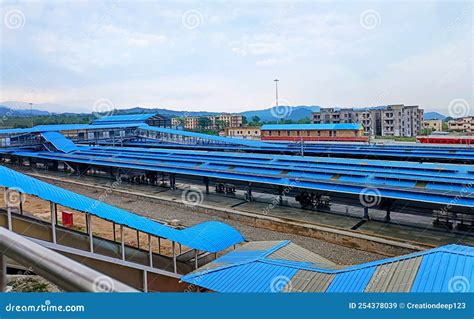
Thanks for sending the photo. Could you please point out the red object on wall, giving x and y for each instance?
(68, 219)
(446, 140)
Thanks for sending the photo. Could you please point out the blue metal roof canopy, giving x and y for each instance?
(219, 139)
(433, 193)
(129, 118)
(279, 267)
(64, 127)
(208, 236)
(60, 142)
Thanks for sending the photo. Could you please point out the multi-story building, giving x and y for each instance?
(247, 132)
(352, 132)
(390, 120)
(433, 125)
(211, 122)
(462, 125)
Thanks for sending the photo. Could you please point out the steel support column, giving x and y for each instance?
(53, 221)
(175, 266)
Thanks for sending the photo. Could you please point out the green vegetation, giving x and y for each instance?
(427, 131)
(25, 122)
(397, 138)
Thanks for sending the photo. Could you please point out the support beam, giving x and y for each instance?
(150, 252)
(206, 182)
(122, 244)
(366, 213)
(113, 227)
(145, 281)
(387, 216)
(21, 203)
(9, 218)
(159, 245)
(249, 192)
(56, 213)
(3, 273)
(175, 266)
(280, 195)
(138, 239)
(196, 263)
(53, 221)
(91, 237)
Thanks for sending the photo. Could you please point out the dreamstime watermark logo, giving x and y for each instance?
(103, 284)
(370, 19)
(282, 110)
(459, 284)
(14, 19)
(192, 19)
(459, 108)
(192, 197)
(281, 283)
(14, 197)
(370, 197)
(103, 107)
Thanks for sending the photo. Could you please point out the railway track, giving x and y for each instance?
(383, 245)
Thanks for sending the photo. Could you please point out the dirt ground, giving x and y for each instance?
(39, 208)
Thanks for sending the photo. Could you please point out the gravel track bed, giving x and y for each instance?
(153, 209)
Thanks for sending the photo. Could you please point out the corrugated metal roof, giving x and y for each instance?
(351, 281)
(246, 278)
(226, 140)
(446, 272)
(127, 118)
(309, 281)
(294, 252)
(60, 142)
(396, 276)
(64, 127)
(318, 127)
(448, 268)
(393, 180)
(208, 236)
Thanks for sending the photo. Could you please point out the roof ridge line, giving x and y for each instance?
(375, 263)
(258, 258)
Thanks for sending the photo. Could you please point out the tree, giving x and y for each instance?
(255, 119)
(220, 124)
(204, 122)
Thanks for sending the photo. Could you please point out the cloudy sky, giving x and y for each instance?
(224, 55)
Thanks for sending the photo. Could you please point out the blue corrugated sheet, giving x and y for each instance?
(64, 127)
(318, 127)
(448, 268)
(352, 281)
(208, 236)
(60, 142)
(225, 140)
(128, 118)
(446, 271)
(443, 183)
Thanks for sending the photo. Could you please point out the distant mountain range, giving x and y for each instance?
(433, 116)
(22, 109)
